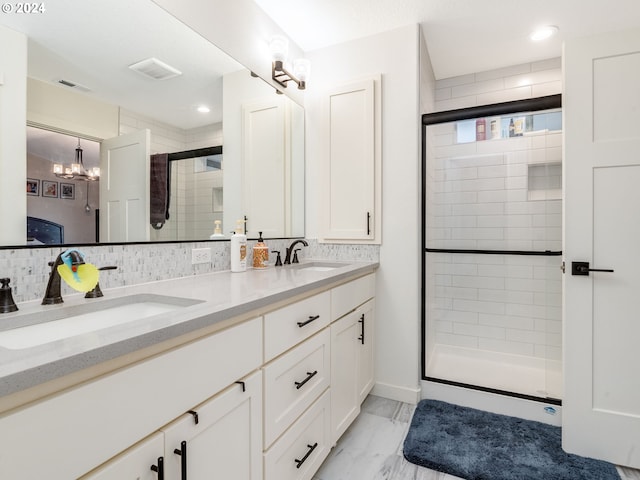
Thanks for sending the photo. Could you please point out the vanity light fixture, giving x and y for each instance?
(76, 171)
(543, 33)
(301, 67)
(203, 109)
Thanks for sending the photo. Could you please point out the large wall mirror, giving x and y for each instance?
(235, 148)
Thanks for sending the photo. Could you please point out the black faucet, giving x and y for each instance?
(52, 295)
(6, 300)
(290, 249)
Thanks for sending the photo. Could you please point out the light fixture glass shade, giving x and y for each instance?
(279, 47)
(543, 33)
(302, 69)
(76, 168)
(58, 169)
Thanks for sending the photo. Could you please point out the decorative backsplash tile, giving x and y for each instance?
(29, 271)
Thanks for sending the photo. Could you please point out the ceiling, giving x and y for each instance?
(92, 43)
(462, 36)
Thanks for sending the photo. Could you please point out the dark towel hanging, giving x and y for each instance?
(160, 190)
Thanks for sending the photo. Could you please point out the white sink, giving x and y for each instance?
(28, 331)
(319, 266)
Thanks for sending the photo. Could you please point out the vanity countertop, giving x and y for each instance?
(222, 297)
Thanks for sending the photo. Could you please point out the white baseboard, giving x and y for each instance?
(492, 402)
(396, 392)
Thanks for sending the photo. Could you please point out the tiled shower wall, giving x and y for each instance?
(28, 270)
(486, 195)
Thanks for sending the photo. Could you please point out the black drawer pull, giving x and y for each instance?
(182, 451)
(310, 375)
(195, 416)
(306, 455)
(311, 319)
(159, 469)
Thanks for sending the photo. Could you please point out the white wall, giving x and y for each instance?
(13, 136)
(394, 55)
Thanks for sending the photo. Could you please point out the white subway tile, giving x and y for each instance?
(492, 196)
(549, 64)
(455, 316)
(456, 340)
(443, 327)
(505, 296)
(526, 336)
(476, 88)
(504, 346)
(545, 89)
(530, 311)
(532, 78)
(478, 282)
(503, 72)
(455, 81)
(518, 93)
(492, 270)
(443, 94)
(492, 171)
(479, 307)
(456, 103)
(477, 233)
(482, 331)
(514, 183)
(522, 323)
(478, 209)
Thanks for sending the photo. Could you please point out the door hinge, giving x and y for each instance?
(562, 267)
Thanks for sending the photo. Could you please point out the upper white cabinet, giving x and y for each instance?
(352, 166)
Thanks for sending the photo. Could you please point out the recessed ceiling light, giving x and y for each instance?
(203, 109)
(543, 33)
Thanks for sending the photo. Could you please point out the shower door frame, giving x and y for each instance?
(497, 109)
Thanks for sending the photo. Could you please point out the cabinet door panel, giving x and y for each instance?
(365, 341)
(345, 406)
(345, 298)
(226, 441)
(133, 464)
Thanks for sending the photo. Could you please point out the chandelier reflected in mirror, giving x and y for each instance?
(77, 170)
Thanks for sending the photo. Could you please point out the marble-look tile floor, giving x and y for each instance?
(371, 449)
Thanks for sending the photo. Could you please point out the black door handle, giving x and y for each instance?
(582, 268)
(306, 455)
(159, 469)
(361, 337)
(182, 451)
(307, 322)
(310, 375)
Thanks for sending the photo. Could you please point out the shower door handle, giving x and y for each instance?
(582, 268)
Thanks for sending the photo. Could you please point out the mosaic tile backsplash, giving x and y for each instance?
(28, 270)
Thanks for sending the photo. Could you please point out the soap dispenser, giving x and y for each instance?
(239, 248)
(260, 253)
(217, 231)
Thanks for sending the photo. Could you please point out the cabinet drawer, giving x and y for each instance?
(288, 326)
(347, 297)
(293, 382)
(76, 430)
(298, 454)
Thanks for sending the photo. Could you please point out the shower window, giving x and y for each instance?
(492, 218)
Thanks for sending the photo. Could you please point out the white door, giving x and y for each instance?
(226, 441)
(264, 168)
(124, 188)
(601, 405)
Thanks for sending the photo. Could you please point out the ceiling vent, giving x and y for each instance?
(154, 68)
(74, 85)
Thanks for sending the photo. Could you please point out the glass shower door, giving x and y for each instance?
(492, 220)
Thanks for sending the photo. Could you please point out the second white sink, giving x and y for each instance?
(45, 327)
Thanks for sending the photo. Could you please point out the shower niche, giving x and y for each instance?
(492, 238)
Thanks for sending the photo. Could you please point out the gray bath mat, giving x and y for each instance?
(477, 445)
